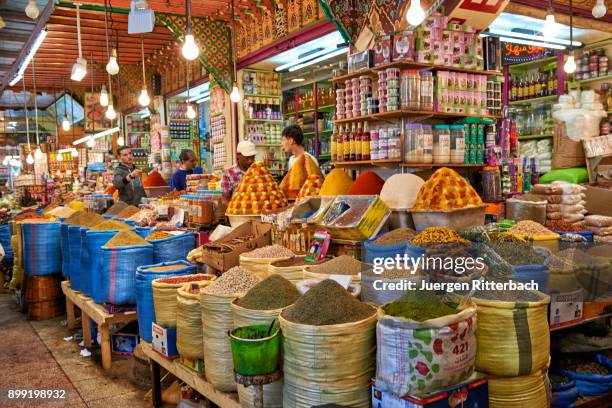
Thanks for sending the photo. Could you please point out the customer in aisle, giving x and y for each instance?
(188, 166)
(293, 139)
(127, 178)
(231, 177)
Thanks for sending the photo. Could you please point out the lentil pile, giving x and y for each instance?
(116, 208)
(420, 306)
(274, 292)
(125, 238)
(530, 229)
(158, 235)
(564, 226)
(270, 251)
(517, 253)
(235, 281)
(111, 225)
(395, 236)
(341, 265)
(327, 303)
(128, 211)
(437, 235)
(583, 366)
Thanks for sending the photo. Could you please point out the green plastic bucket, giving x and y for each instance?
(253, 355)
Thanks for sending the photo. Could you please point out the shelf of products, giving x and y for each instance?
(530, 137)
(550, 99)
(535, 86)
(138, 131)
(409, 114)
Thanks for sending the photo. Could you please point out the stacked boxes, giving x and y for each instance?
(459, 92)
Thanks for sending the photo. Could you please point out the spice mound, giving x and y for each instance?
(116, 208)
(517, 253)
(327, 303)
(437, 235)
(274, 292)
(420, 306)
(128, 211)
(125, 238)
(235, 281)
(167, 268)
(183, 279)
(446, 190)
(111, 225)
(342, 265)
(530, 229)
(84, 219)
(158, 235)
(395, 236)
(295, 261)
(270, 251)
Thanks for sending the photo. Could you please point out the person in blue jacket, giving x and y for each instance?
(188, 166)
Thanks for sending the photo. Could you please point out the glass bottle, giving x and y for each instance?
(334, 143)
(351, 156)
(543, 85)
(365, 142)
(513, 88)
(519, 89)
(358, 138)
(538, 86)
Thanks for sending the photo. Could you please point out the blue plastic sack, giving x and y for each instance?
(118, 272)
(5, 241)
(588, 235)
(131, 223)
(527, 273)
(143, 231)
(590, 384)
(74, 255)
(108, 217)
(173, 248)
(564, 395)
(64, 244)
(42, 254)
(144, 293)
(94, 240)
(383, 251)
(84, 271)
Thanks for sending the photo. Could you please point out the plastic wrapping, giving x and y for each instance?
(42, 254)
(173, 248)
(118, 269)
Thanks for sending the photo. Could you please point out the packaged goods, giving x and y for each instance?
(128, 211)
(235, 280)
(327, 303)
(336, 183)
(565, 199)
(125, 238)
(159, 235)
(111, 225)
(270, 251)
(395, 236)
(598, 230)
(341, 265)
(446, 190)
(274, 292)
(437, 235)
(116, 208)
(368, 183)
(598, 220)
(42, 254)
(165, 293)
(438, 339)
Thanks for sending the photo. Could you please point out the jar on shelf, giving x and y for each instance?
(441, 144)
(410, 89)
(413, 143)
(427, 140)
(394, 144)
(457, 144)
(374, 144)
(427, 91)
(383, 144)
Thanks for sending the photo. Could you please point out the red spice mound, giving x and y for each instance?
(154, 180)
(368, 183)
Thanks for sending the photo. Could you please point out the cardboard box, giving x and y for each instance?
(164, 340)
(597, 307)
(473, 393)
(225, 261)
(565, 308)
(598, 199)
(382, 50)
(124, 343)
(194, 365)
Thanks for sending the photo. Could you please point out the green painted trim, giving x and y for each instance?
(330, 17)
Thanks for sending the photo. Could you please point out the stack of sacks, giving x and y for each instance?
(600, 226)
(565, 201)
(541, 150)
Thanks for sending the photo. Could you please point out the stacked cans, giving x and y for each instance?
(355, 90)
(365, 93)
(382, 91)
(393, 89)
(340, 103)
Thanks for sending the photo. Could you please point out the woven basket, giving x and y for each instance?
(164, 297)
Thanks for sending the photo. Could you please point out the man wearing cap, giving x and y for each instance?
(231, 177)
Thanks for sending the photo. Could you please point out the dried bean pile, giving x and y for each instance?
(270, 251)
(327, 303)
(529, 228)
(235, 281)
(116, 208)
(125, 238)
(274, 292)
(395, 236)
(342, 265)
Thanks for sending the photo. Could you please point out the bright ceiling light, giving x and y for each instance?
(550, 26)
(298, 80)
(103, 96)
(91, 143)
(110, 112)
(570, 64)
(599, 10)
(235, 95)
(120, 141)
(415, 14)
(74, 152)
(38, 154)
(191, 113)
(332, 54)
(32, 51)
(29, 159)
(15, 162)
(105, 132)
(144, 99)
(65, 124)
(79, 69)
(32, 10)
(15, 80)
(112, 67)
(190, 48)
(59, 157)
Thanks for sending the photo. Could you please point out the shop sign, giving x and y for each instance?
(516, 53)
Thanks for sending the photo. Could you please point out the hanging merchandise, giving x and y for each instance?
(79, 69)
(141, 19)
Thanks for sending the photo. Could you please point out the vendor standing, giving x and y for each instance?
(245, 154)
(127, 179)
(302, 165)
(188, 166)
(293, 139)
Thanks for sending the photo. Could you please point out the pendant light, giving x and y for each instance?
(235, 94)
(415, 14)
(113, 67)
(79, 69)
(550, 26)
(32, 10)
(191, 114)
(143, 99)
(190, 48)
(65, 122)
(570, 63)
(75, 152)
(110, 111)
(37, 153)
(103, 96)
(599, 10)
(30, 158)
(120, 140)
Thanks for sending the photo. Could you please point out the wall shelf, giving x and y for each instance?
(549, 98)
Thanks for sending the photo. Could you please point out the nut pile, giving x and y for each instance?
(396, 236)
(235, 281)
(437, 235)
(341, 265)
(270, 251)
(530, 229)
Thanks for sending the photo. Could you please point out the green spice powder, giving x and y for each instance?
(274, 292)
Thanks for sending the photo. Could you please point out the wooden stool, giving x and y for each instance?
(257, 382)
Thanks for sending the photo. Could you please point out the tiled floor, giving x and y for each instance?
(35, 355)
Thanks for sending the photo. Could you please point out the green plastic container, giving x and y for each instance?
(253, 352)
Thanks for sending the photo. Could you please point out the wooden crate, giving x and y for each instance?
(43, 288)
(46, 309)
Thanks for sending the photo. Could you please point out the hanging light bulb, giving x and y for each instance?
(570, 64)
(14, 162)
(190, 48)
(599, 10)
(415, 14)
(235, 95)
(103, 96)
(144, 99)
(65, 124)
(59, 157)
(110, 113)
(38, 154)
(74, 152)
(32, 10)
(550, 26)
(191, 114)
(113, 67)
(91, 143)
(120, 141)
(29, 159)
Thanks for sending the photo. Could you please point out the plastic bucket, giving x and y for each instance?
(254, 354)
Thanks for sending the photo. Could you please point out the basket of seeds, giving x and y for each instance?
(341, 265)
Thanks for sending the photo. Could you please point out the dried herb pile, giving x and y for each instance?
(274, 292)
(420, 306)
(517, 253)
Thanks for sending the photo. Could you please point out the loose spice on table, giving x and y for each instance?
(116, 208)
(368, 183)
(235, 280)
(128, 211)
(341, 265)
(396, 236)
(274, 292)
(125, 238)
(158, 235)
(327, 303)
(269, 251)
(111, 225)
(336, 183)
(84, 219)
(420, 306)
(437, 235)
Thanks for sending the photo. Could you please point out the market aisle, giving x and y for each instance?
(36, 356)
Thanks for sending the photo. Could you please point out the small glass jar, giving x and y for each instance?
(427, 91)
(427, 141)
(457, 144)
(441, 144)
(413, 146)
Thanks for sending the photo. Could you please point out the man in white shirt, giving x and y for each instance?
(292, 143)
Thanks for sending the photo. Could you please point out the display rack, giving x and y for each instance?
(183, 131)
